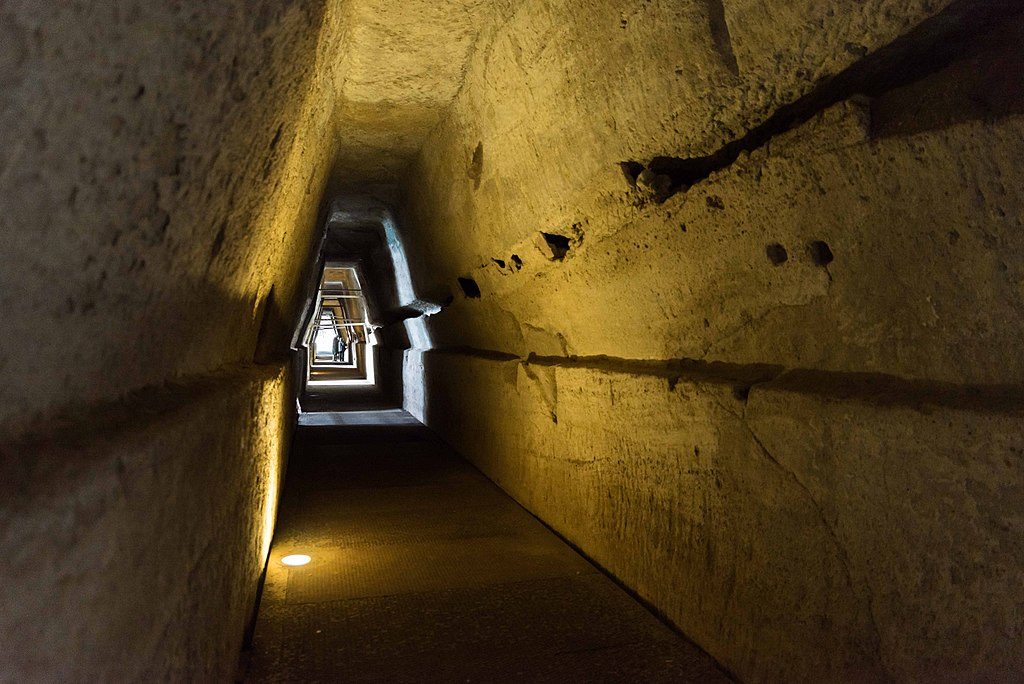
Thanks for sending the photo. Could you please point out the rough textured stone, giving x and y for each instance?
(160, 180)
(948, 308)
(400, 65)
(133, 545)
(728, 292)
(807, 463)
(155, 191)
(791, 534)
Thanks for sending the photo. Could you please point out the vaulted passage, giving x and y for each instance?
(577, 340)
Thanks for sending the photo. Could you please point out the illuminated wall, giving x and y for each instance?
(729, 293)
(747, 334)
(133, 548)
(160, 185)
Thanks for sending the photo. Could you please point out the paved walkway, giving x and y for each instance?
(423, 570)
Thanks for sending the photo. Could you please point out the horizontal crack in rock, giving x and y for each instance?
(871, 388)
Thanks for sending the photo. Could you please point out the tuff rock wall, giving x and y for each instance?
(738, 301)
(161, 174)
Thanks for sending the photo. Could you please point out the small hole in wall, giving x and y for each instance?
(218, 239)
(517, 262)
(469, 288)
(821, 253)
(654, 186)
(476, 166)
(856, 49)
(500, 263)
(776, 253)
(557, 245)
(631, 170)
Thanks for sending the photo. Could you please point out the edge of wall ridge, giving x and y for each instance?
(77, 425)
(866, 387)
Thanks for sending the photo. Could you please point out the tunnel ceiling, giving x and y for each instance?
(401, 65)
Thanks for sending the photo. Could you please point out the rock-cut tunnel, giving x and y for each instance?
(512, 340)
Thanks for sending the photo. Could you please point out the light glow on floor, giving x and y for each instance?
(296, 560)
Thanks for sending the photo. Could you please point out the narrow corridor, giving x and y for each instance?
(422, 570)
(573, 341)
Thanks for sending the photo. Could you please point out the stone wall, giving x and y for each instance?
(740, 313)
(160, 192)
(134, 543)
(160, 182)
(737, 299)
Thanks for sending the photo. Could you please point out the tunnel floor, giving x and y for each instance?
(423, 570)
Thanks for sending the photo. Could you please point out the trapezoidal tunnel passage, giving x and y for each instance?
(490, 340)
